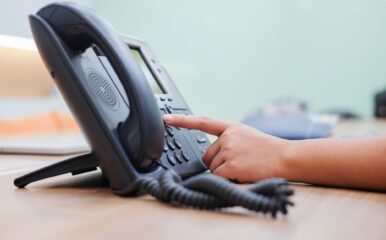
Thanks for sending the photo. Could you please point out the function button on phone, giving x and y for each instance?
(185, 156)
(201, 139)
(178, 157)
(177, 143)
(162, 98)
(165, 148)
(170, 131)
(168, 108)
(171, 159)
(170, 99)
(170, 144)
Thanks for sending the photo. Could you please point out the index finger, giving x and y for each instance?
(211, 126)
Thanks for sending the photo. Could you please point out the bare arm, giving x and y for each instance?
(358, 162)
(245, 154)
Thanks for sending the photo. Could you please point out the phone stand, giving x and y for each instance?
(76, 165)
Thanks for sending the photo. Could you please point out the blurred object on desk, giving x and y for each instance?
(343, 114)
(293, 126)
(380, 104)
(51, 121)
(17, 107)
(22, 71)
(288, 118)
(56, 143)
(284, 106)
(38, 125)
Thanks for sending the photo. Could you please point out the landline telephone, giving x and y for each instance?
(118, 92)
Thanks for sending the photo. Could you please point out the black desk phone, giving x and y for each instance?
(118, 92)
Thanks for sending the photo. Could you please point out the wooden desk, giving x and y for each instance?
(82, 207)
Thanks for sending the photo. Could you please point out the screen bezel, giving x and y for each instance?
(149, 68)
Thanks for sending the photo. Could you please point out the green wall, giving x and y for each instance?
(230, 57)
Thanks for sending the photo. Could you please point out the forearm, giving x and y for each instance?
(358, 163)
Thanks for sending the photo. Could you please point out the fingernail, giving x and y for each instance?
(168, 118)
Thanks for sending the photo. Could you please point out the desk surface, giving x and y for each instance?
(82, 207)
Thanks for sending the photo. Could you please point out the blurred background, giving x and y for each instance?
(229, 58)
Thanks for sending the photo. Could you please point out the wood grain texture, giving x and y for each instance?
(82, 207)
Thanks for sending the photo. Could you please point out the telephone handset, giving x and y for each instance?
(118, 92)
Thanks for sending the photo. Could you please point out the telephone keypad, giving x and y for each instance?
(182, 146)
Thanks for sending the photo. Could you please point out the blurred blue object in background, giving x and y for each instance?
(293, 126)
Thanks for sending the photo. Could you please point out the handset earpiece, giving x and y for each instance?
(80, 27)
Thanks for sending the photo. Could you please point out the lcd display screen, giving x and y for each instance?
(154, 85)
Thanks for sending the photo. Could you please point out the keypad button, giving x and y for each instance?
(201, 139)
(178, 157)
(171, 159)
(202, 150)
(177, 143)
(162, 98)
(170, 144)
(170, 99)
(165, 148)
(185, 156)
(170, 131)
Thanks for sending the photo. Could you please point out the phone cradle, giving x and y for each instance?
(76, 165)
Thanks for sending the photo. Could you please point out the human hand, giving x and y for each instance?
(240, 152)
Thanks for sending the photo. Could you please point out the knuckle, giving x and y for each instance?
(226, 134)
(232, 166)
(227, 144)
(234, 127)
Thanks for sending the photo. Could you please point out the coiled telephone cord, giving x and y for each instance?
(206, 191)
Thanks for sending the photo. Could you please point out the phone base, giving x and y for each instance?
(76, 165)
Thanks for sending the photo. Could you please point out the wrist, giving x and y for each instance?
(289, 155)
